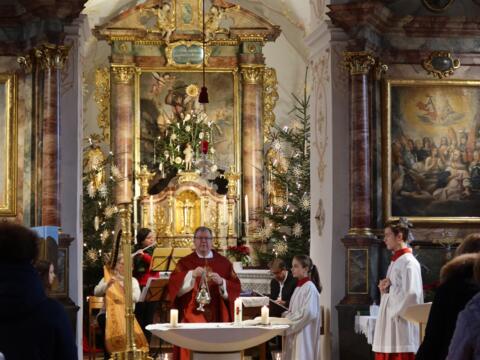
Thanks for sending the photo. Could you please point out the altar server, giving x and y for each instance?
(303, 336)
(396, 338)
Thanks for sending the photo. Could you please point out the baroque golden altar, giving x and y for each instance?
(187, 202)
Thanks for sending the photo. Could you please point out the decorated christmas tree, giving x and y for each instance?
(99, 177)
(287, 216)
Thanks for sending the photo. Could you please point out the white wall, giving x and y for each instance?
(329, 175)
(71, 120)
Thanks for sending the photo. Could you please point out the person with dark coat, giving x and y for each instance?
(457, 287)
(465, 344)
(282, 287)
(32, 326)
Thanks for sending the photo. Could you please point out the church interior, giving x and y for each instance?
(286, 127)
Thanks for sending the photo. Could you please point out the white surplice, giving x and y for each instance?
(303, 336)
(394, 334)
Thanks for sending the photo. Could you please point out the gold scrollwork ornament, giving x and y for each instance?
(270, 98)
(440, 64)
(52, 56)
(102, 98)
(358, 62)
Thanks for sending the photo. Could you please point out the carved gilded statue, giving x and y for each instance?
(165, 19)
(93, 165)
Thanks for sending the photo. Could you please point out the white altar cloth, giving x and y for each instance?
(216, 337)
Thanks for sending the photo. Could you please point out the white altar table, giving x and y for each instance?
(217, 340)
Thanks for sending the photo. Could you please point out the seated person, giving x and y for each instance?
(47, 274)
(102, 288)
(282, 287)
(32, 326)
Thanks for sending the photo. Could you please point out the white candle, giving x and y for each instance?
(173, 317)
(246, 208)
(225, 209)
(150, 208)
(265, 313)
(238, 311)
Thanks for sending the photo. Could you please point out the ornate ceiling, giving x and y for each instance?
(24, 23)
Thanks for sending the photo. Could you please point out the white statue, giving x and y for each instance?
(188, 152)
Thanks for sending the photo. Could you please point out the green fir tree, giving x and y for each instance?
(99, 210)
(287, 216)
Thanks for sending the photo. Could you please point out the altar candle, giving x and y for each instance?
(238, 311)
(225, 209)
(246, 208)
(150, 209)
(173, 317)
(265, 313)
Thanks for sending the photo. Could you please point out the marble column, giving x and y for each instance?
(252, 143)
(122, 93)
(361, 245)
(52, 59)
(359, 64)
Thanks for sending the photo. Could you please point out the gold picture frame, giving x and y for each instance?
(235, 111)
(431, 155)
(8, 144)
(188, 15)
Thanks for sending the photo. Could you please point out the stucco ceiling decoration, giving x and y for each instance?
(378, 26)
(132, 25)
(26, 23)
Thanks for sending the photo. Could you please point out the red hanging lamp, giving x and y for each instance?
(203, 97)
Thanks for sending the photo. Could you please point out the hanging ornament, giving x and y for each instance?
(96, 223)
(277, 145)
(102, 190)
(297, 172)
(104, 235)
(92, 255)
(110, 211)
(280, 247)
(305, 202)
(91, 190)
(297, 230)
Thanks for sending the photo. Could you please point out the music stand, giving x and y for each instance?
(161, 258)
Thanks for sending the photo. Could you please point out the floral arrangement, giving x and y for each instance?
(240, 253)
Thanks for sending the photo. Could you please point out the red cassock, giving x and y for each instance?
(219, 309)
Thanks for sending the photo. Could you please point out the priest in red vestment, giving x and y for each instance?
(184, 284)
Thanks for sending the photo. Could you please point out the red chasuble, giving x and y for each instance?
(219, 309)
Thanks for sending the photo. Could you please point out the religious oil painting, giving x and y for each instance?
(8, 144)
(431, 157)
(170, 113)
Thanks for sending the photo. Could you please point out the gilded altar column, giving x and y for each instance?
(359, 65)
(122, 93)
(52, 58)
(252, 143)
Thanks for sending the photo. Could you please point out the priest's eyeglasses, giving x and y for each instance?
(203, 237)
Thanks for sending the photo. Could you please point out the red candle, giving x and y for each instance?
(204, 146)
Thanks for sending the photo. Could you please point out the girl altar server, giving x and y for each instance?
(303, 336)
(396, 338)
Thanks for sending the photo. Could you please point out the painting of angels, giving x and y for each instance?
(432, 150)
